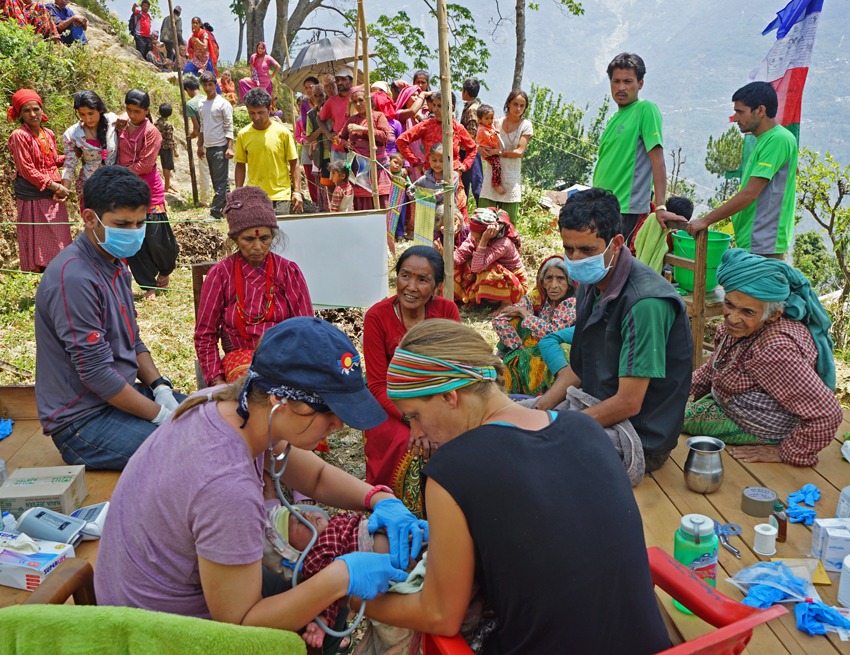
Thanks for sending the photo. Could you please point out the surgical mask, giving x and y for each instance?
(121, 242)
(590, 269)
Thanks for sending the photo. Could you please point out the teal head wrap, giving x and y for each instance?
(772, 280)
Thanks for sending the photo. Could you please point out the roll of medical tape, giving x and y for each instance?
(758, 501)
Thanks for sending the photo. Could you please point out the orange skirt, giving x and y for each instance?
(497, 284)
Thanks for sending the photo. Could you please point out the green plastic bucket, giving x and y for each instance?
(685, 246)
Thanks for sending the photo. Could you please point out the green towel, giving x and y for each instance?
(651, 243)
(82, 630)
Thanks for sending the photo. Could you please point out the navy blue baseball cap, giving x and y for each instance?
(312, 355)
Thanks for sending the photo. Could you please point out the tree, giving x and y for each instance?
(563, 149)
(255, 14)
(813, 260)
(239, 11)
(567, 7)
(822, 189)
(677, 184)
(722, 155)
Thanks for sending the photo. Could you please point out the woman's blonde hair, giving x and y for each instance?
(449, 340)
(230, 392)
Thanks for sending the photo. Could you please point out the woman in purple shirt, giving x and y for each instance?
(185, 530)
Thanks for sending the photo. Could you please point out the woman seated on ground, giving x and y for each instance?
(228, 88)
(389, 458)
(495, 489)
(548, 308)
(769, 382)
(487, 265)
(245, 294)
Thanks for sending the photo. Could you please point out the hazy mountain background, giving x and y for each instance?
(696, 53)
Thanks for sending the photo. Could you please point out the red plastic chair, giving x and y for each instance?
(734, 620)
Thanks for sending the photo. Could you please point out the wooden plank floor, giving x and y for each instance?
(663, 499)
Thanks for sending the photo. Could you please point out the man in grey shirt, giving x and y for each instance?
(88, 348)
(170, 40)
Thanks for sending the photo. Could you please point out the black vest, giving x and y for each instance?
(598, 340)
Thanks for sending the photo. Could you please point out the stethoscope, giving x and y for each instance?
(284, 459)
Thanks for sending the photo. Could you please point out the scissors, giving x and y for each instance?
(724, 532)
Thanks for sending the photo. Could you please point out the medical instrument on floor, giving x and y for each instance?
(43, 523)
(284, 459)
(94, 516)
(723, 533)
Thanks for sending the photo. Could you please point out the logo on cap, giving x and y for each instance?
(348, 362)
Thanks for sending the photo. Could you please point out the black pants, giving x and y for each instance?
(473, 178)
(158, 254)
(143, 43)
(219, 169)
(169, 50)
(629, 222)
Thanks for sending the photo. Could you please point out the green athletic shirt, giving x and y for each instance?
(192, 110)
(645, 331)
(766, 226)
(623, 166)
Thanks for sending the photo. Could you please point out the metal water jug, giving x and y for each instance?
(704, 466)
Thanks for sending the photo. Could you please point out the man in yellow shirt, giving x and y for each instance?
(265, 150)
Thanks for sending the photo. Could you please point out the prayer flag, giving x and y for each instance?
(423, 223)
(787, 64)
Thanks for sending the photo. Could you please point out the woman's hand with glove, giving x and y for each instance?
(403, 530)
(370, 574)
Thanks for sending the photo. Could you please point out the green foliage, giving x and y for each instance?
(724, 154)
(562, 149)
(240, 119)
(570, 6)
(812, 258)
(400, 47)
(534, 220)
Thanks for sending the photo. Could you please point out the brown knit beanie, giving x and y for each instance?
(248, 206)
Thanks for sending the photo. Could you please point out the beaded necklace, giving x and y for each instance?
(243, 318)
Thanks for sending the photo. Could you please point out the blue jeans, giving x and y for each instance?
(473, 178)
(107, 438)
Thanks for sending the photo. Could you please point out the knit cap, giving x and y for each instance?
(246, 207)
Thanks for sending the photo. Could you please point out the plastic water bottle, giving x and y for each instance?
(4, 473)
(696, 549)
(9, 522)
(843, 511)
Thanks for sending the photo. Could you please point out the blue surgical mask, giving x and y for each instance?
(590, 269)
(121, 242)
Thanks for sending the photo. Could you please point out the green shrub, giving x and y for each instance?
(533, 220)
(240, 119)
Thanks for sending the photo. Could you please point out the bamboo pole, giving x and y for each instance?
(292, 105)
(448, 140)
(348, 110)
(183, 104)
(373, 166)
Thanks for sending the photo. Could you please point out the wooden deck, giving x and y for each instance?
(662, 497)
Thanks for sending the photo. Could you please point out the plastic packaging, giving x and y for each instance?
(779, 520)
(844, 584)
(696, 549)
(842, 512)
(794, 577)
(9, 522)
(4, 473)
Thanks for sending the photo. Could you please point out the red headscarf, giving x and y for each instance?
(21, 98)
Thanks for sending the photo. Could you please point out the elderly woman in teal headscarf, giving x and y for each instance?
(768, 386)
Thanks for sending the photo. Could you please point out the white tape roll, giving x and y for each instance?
(765, 539)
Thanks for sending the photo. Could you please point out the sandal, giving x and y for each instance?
(162, 282)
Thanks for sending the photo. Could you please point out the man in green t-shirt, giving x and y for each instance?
(631, 153)
(641, 371)
(763, 210)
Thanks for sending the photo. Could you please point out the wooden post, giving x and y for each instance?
(700, 271)
(356, 52)
(183, 104)
(373, 166)
(448, 151)
(292, 105)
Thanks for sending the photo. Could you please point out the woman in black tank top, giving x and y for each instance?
(535, 507)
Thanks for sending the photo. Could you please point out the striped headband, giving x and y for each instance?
(410, 375)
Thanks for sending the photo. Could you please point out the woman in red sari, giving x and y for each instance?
(248, 292)
(355, 136)
(391, 458)
(43, 228)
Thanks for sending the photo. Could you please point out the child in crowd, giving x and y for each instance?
(488, 137)
(461, 228)
(286, 537)
(399, 173)
(168, 148)
(343, 196)
(433, 178)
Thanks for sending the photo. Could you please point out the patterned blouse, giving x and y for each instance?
(775, 365)
(430, 131)
(37, 15)
(511, 166)
(78, 150)
(31, 161)
(498, 251)
(547, 320)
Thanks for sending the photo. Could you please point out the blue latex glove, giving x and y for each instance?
(370, 574)
(808, 494)
(763, 596)
(6, 427)
(401, 526)
(799, 514)
(812, 615)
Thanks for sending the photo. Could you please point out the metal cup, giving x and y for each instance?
(704, 465)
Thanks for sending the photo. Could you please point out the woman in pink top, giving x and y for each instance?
(263, 69)
(138, 148)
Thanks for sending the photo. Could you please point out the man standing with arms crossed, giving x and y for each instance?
(216, 141)
(763, 210)
(631, 152)
(267, 150)
(336, 107)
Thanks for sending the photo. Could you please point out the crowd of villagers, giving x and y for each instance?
(535, 317)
